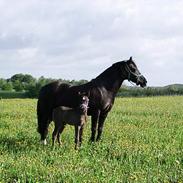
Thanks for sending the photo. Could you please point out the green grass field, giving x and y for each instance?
(142, 142)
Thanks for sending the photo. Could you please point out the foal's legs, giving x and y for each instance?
(58, 127)
(77, 134)
(81, 134)
(54, 134)
(59, 133)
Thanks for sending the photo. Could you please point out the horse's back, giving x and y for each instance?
(52, 88)
(48, 93)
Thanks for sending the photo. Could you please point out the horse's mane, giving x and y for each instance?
(109, 71)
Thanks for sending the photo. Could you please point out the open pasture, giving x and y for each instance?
(142, 142)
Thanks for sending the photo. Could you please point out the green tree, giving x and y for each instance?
(17, 85)
(33, 90)
(7, 86)
(22, 81)
(2, 83)
(28, 79)
(43, 81)
(17, 77)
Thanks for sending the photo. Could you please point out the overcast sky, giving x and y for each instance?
(78, 39)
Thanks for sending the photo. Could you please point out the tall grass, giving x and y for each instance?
(142, 142)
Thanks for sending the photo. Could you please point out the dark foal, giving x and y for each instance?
(77, 117)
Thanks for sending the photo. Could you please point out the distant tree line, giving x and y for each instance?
(25, 85)
(29, 85)
(175, 89)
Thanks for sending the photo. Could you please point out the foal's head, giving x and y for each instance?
(83, 101)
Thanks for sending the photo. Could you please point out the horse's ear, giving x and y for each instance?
(130, 59)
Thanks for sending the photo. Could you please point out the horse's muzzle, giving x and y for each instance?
(142, 81)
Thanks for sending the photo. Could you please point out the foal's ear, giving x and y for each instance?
(130, 59)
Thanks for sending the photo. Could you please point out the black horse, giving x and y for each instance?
(101, 92)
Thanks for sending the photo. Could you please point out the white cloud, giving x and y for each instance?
(79, 39)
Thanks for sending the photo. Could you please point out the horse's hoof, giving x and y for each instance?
(98, 139)
(77, 147)
(92, 139)
(44, 142)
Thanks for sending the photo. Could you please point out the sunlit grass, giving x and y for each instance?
(142, 142)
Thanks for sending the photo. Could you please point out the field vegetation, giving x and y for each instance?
(142, 142)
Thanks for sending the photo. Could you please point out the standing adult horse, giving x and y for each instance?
(101, 92)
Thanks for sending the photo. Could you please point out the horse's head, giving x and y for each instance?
(133, 73)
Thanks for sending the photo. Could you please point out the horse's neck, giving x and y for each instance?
(112, 78)
(109, 79)
(111, 83)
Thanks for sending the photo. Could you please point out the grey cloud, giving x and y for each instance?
(79, 39)
(15, 42)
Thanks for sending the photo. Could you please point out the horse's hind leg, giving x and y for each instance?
(77, 132)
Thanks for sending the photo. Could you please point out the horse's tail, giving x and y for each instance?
(44, 105)
(39, 117)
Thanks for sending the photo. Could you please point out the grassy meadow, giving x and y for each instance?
(142, 142)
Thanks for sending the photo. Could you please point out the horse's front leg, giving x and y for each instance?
(81, 135)
(102, 118)
(94, 118)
